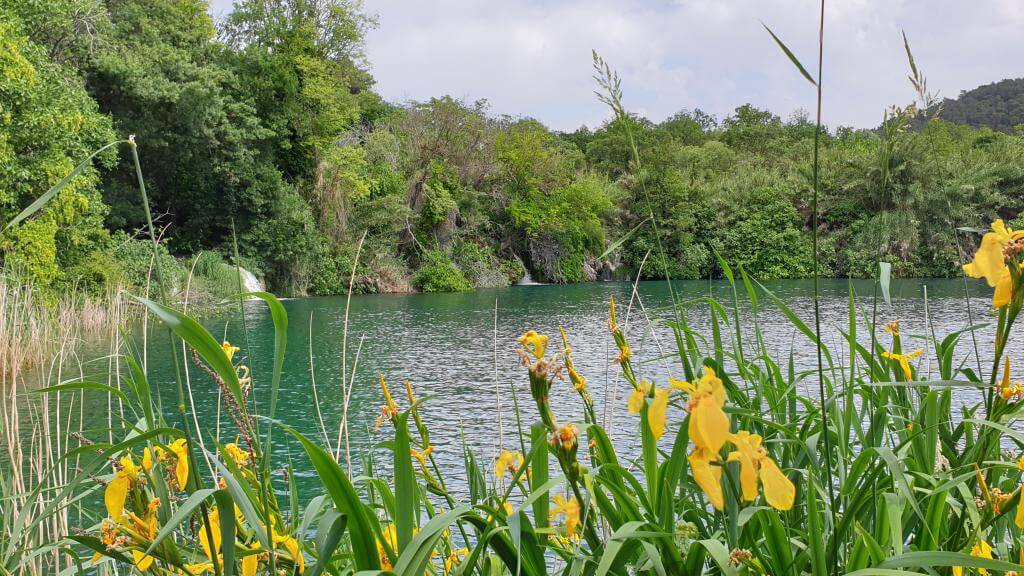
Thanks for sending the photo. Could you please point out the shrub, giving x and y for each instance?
(480, 265)
(332, 273)
(135, 257)
(437, 273)
(214, 276)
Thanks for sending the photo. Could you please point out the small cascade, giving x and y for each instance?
(249, 281)
(526, 280)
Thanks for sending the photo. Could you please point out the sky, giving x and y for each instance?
(532, 58)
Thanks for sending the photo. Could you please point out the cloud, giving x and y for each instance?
(533, 57)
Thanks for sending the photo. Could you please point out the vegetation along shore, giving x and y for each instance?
(267, 127)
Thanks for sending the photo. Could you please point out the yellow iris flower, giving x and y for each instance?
(1008, 389)
(893, 327)
(507, 463)
(570, 510)
(990, 262)
(756, 465)
(637, 397)
(238, 456)
(904, 360)
(981, 549)
(211, 548)
(142, 560)
(117, 489)
(453, 559)
(421, 457)
(292, 546)
(708, 477)
(180, 450)
(657, 413)
(534, 343)
(147, 459)
(390, 536)
(228, 349)
(709, 425)
(567, 436)
(251, 562)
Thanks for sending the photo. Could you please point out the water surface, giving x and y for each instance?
(459, 349)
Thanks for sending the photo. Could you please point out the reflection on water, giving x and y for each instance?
(459, 349)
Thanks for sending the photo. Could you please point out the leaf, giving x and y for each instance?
(84, 386)
(791, 56)
(933, 559)
(405, 484)
(615, 245)
(884, 279)
(202, 342)
(615, 544)
(364, 545)
(414, 559)
(226, 514)
(49, 194)
(180, 515)
(332, 539)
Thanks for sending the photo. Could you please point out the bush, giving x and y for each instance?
(481, 267)
(437, 273)
(766, 238)
(214, 276)
(135, 258)
(332, 273)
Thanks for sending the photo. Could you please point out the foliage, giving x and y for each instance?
(136, 261)
(437, 273)
(999, 106)
(48, 124)
(265, 127)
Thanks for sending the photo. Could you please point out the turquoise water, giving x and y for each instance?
(459, 349)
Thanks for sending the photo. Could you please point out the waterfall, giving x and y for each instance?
(249, 281)
(526, 280)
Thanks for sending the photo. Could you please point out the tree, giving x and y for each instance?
(48, 125)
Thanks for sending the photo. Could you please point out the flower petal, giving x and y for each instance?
(1004, 289)
(658, 412)
(708, 477)
(988, 262)
(778, 490)
(115, 495)
(709, 426)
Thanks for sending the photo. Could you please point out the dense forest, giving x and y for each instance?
(999, 106)
(265, 128)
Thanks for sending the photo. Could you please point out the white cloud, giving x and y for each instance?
(532, 57)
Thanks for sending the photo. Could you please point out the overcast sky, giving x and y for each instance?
(533, 57)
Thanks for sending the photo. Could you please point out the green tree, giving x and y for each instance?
(48, 124)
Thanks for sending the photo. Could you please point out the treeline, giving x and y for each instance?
(999, 105)
(265, 129)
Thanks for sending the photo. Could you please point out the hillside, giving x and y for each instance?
(999, 106)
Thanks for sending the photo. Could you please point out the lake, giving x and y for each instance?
(459, 349)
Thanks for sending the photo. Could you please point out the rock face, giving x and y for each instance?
(548, 261)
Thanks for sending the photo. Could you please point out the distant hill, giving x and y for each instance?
(999, 106)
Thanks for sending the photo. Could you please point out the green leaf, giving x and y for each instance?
(791, 56)
(615, 245)
(884, 279)
(49, 194)
(415, 557)
(184, 512)
(226, 515)
(405, 484)
(364, 544)
(202, 342)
